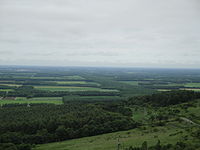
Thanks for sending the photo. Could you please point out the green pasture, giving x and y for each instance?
(71, 82)
(135, 83)
(191, 89)
(100, 97)
(169, 84)
(76, 82)
(61, 77)
(7, 81)
(10, 84)
(24, 100)
(134, 137)
(195, 85)
(6, 90)
(163, 90)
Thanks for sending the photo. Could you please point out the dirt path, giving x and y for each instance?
(189, 121)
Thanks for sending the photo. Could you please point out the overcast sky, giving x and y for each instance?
(125, 33)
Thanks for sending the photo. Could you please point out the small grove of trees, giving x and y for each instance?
(165, 98)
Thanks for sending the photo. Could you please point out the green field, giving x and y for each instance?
(131, 82)
(196, 85)
(76, 82)
(11, 84)
(71, 88)
(169, 84)
(7, 81)
(191, 89)
(133, 137)
(23, 100)
(61, 77)
(163, 90)
(71, 82)
(6, 89)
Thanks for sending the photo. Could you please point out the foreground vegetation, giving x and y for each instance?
(160, 128)
(50, 123)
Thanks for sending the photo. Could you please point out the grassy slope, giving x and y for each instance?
(109, 141)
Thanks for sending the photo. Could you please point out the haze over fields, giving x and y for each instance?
(134, 33)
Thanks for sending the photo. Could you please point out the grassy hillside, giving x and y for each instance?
(135, 137)
(168, 131)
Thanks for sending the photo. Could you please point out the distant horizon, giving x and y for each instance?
(117, 67)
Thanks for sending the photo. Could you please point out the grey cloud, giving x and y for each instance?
(107, 32)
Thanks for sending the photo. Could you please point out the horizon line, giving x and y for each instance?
(120, 67)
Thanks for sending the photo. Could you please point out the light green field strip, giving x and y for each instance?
(191, 89)
(189, 85)
(99, 97)
(163, 90)
(11, 84)
(109, 141)
(196, 85)
(76, 82)
(71, 88)
(170, 84)
(6, 89)
(23, 100)
(2, 81)
(62, 77)
(131, 82)
(71, 82)
(188, 89)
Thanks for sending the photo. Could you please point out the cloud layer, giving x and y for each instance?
(133, 33)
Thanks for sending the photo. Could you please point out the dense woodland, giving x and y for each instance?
(165, 98)
(49, 123)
